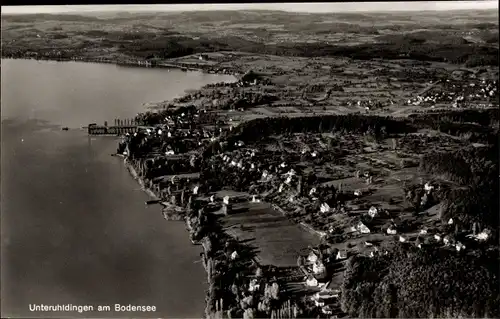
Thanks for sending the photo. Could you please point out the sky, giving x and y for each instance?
(293, 7)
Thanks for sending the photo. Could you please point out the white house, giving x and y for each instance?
(483, 236)
(234, 255)
(372, 212)
(362, 228)
(254, 285)
(459, 246)
(391, 230)
(311, 282)
(324, 208)
(318, 268)
(446, 240)
(342, 254)
(265, 174)
(312, 257)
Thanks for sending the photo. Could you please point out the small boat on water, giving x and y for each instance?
(65, 128)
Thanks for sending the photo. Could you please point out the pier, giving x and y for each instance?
(120, 127)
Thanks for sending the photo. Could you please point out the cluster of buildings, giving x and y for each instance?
(458, 93)
(369, 104)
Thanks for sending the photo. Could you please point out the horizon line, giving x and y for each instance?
(318, 7)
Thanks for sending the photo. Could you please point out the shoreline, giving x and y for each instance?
(129, 63)
(214, 252)
(227, 259)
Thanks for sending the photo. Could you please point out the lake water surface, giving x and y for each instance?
(74, 226)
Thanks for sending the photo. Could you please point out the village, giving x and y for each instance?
(336, 195)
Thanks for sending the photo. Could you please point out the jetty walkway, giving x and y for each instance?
(120, 127)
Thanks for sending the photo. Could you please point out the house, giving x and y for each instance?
(391, 230)
(319, 268)
(312, 257)
(226, 200)
(254, 285)
(265, 174)
(327, 310)
(402, 239)
(447, 240)
(459, 246)
(234, 255)
(291, 172)
(324, 296)
(484, 235)
(418, 242)
(362, 228)
(372, 212)
(280, 189)
(311, 282)
(325, 208)
(342, 254)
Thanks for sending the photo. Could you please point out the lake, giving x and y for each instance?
(74, 225)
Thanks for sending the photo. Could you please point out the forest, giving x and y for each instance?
(422, 283)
